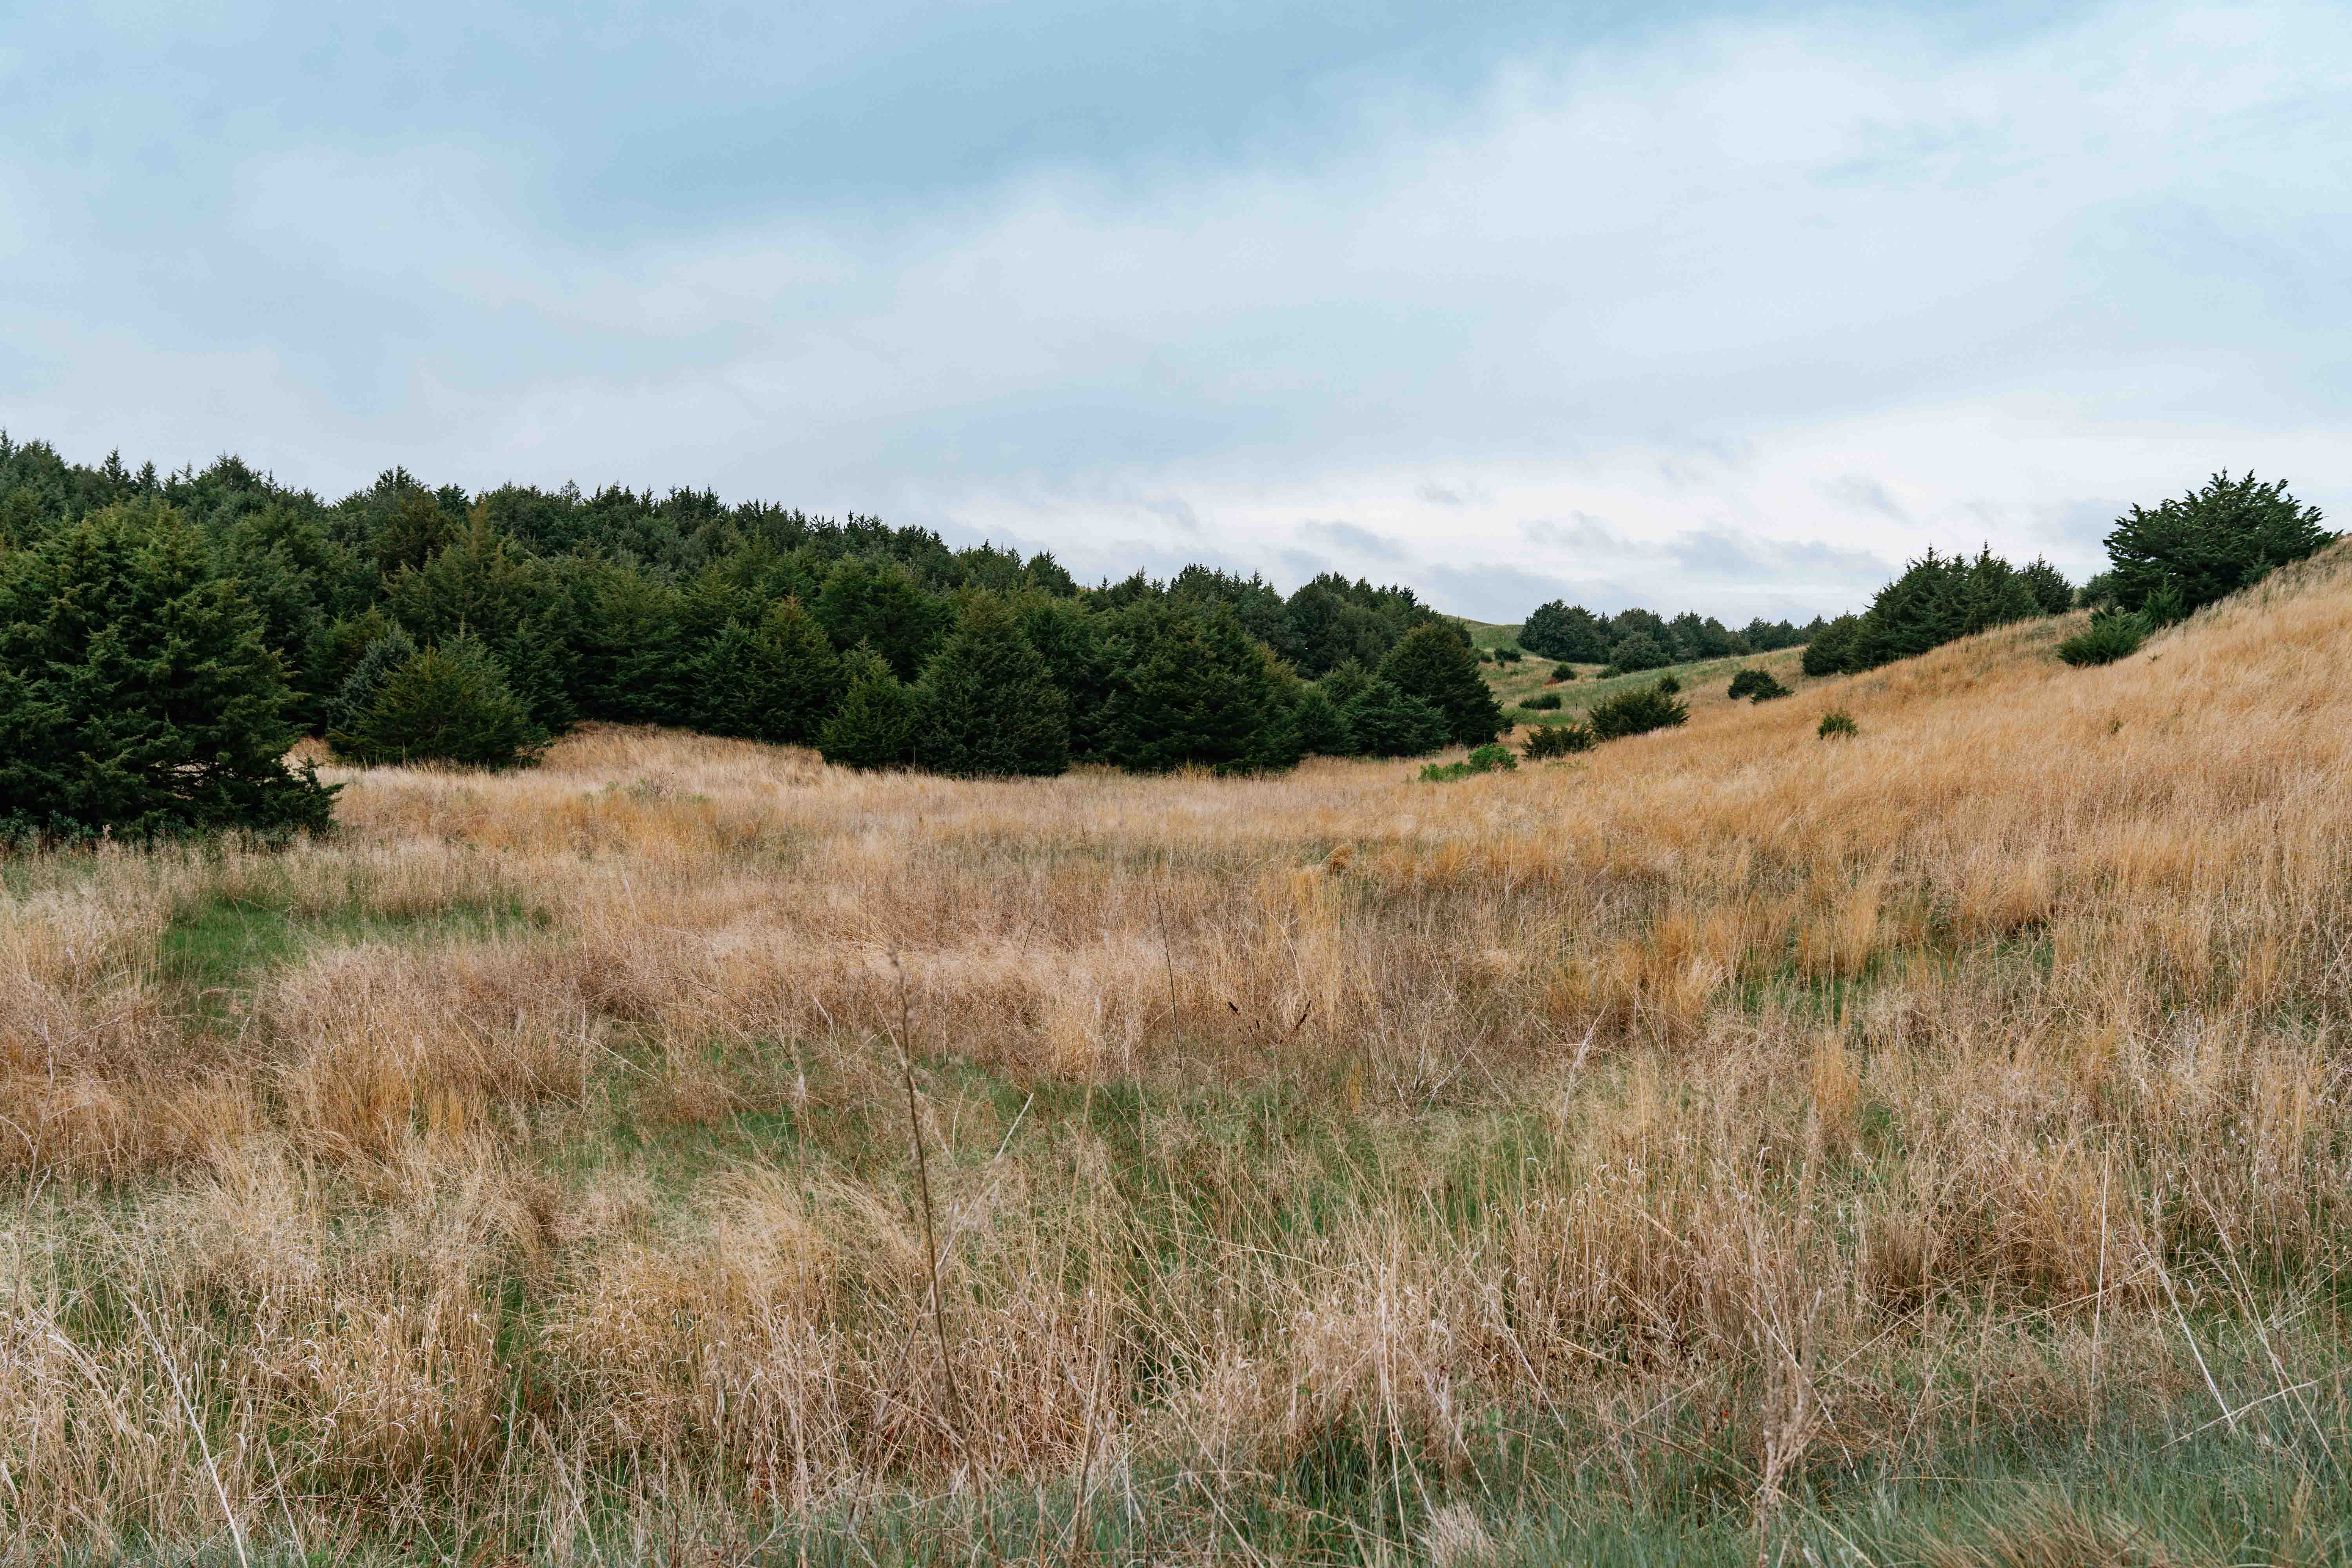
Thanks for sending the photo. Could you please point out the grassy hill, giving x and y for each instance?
(1723, 1145)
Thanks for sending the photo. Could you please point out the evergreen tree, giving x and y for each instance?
(1564, 631)
(1070, 639)
(990, 709)
(1193, 691)
(136, 694)
(1345, 683)
(882, 607)
(1386, 720)
(876, 725)
(1639, 652)
(1322, 729)
(774, 681)
(2052, 594)
(1830, 650)
(391, 649)
(2210, 543)
(1435, 663)
(448, 704)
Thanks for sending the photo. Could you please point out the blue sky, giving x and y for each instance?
(1733, 307)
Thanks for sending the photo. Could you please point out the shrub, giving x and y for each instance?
(450, 703)
(1486, 656)
(2112, 635)
(1509, 654)
(1544, 701)
(1756, 686)
(1486, 759)
(1670, 685)
(1838, 723)
(1635, 713)
(1558, 741)
(1561, 672)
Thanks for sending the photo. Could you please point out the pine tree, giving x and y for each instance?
(989, 706)
(1435, 663)
(2210, 543)
(1193, 692)
(882, 607)
(448, 704)
(1386, 720)
(353, 700)
(874, 727)
(136, 695)
(774, 682)
(1321, 727)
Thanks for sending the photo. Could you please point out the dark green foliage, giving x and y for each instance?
(1558, 741)
(1672, 686)
(136, 694)
(1635, 713)
(1328, 622)
(1756, 686)
(2112, 635)
(990, 709)
(1837, 725)
(2052, 594)
(1433, 663)
(1639, 652)
(1070, 638)
(773, 681)
(1194, 693)
(478, 585)
(1345, 683)
(1389, 721)
(360, 688)
(1564, 631)
(2210, 543)
(1486, 759)
(876, 725)
(1321, 729)
(449, 703)
(883, 607)
(1509, 655)
(1831, 649)
(1561, 672)
(1544, 701)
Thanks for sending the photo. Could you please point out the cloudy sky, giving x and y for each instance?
(1725, 307)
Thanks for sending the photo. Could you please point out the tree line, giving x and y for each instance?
(165, 638)
(1639, 639)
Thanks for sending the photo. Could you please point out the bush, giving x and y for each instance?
(2112, 635)
(1558, 741)
(1635, 713)
(1756, 686)
(1561, 672)
(1486, 759)
(1837, 723)
(1670, 685)
(1639, 652)
(1509, 654)
(1544, 701)
(450, 703)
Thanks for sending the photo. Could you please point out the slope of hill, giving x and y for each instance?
(1925, 1145)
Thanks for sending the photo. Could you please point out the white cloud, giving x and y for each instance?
(1825, 290)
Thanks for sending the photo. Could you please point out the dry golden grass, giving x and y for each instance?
(1802, 1106)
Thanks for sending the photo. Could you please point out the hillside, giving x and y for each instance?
(1725, 1144)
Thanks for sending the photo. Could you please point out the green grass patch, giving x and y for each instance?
(217, 949)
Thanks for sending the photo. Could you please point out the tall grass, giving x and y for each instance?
(1726, 1145)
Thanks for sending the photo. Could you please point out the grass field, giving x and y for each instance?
(1724, 1146)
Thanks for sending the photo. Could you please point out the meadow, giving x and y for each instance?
(1724, 1146)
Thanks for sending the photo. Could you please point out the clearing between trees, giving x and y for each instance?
(1724, 1144)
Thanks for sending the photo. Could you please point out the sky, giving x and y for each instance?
(1732, 308)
